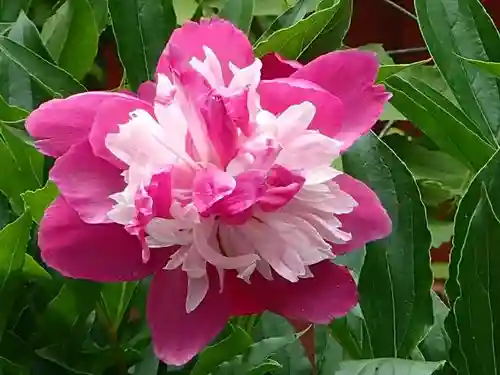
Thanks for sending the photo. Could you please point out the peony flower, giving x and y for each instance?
(216, 182)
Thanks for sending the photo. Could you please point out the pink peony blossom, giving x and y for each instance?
(217, 183)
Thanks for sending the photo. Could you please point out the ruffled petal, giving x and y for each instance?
(274, 66)
(86, 182)
(330, 294)
(349, 75)
(229, 44)
(177, 335)
(368, 221)
(61, 123)
(98, 252)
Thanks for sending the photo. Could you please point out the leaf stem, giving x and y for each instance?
(401, 9)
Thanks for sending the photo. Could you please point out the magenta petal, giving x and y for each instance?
(177, 335)
(277, 95)
(210, 185)
(86, 182)
(330, 294)
(274, 66)
(147, 91)
(227, 42)
(61, 123)
(99, 252)
(368, 222)
(282, 185)
(111, 114)
(350, 75)
(244, 298)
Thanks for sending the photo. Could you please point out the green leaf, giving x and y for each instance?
(294, 40)
(487, 66)
(37, 201)
(387, 71)
(33, 271)
(10, 113)
(352, 333)
(71, 36)
(473, 283)
(142, 29)
(9, 10)
(388, 366)
(13, 243)
(184, 10)
(100, 9)
(332, 37)
(272, 7)
(436, 345)
(396, 277)
(58, 82)
(239, 12)
(116, 298)
(453, 28)
(440, 120)
(268, 366)
(149, 364)
(22, 168)
(211, 357)
(441, 231)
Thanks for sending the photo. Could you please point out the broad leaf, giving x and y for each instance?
(211, 357)
(9, 10)
(389, 366)
(473, 283)
(142, 29)
(396, 277)
(37, 201)
(116, 298)
(387, 71)
(352, 333)
(453, 28)
(10, 113)
(13, 242)
(440, 120)
(239, 12)
(71, 36)
(294, 40)
(100, 9)
(436, 345)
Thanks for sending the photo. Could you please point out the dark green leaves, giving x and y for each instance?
(388, 367)
(142, 28)
(396, 278)
(71, 36)
(453, 28)
(293, 41)
(13, 242)
(474, 281)
(239, 12)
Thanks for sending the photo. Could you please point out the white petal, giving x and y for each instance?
(295, 120)
(168, 232)
(245, 77)
(197, 290)
(177, 258)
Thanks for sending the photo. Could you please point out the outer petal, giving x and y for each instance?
(147, 91)
(177, 335)
(111, 114)
(86, 182)
(61, 123)
(99, 252)
(227, 42)
(368, 222)
(349, 75)
(274, 66)
(330, 294)
(244, 298)
(277, 95)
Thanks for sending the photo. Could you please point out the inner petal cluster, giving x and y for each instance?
(249, 190)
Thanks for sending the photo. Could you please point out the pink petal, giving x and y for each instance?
(210, 185)
(349, 75)
(227, 42)
(61, 123)
(86, 182)
(368, 222)
(244, 298)
(147, 91)
(274, 66)
(111, 114)
(330, 294)
(177, 335)
(99, 252)
(277, 95)
(282, 187)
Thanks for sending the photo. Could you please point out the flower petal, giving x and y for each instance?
(147, 91)
(61, 123)
(111, 114)
(277, 96)
(227, 42)
(177, 335)
(86, 182)
(330, 294)
(367, 222)
(274, 66)
(349, 75)
(99, 252)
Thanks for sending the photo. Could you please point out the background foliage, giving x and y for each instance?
(438, 178)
